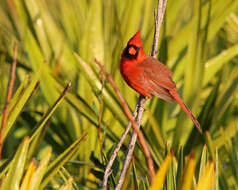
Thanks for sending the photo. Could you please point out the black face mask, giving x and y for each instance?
(131, 56)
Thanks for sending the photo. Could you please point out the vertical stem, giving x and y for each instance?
(108, 170)
(8, 98)
(131, 144)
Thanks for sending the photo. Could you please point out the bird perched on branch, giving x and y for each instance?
(148, 76)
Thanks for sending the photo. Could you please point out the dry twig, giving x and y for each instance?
(132, 143)
(108, 170)
(12, 77)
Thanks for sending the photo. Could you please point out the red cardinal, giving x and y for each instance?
(148, 76)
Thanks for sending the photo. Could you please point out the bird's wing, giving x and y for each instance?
(157, 73)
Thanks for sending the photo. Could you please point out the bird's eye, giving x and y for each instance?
(131, 50)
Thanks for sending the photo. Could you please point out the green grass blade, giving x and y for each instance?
(28, 175)
(217, 171)
(135, 177)
(225, 98)
(54, 166)
(36, 136)
(22, 101)
(109, 100)
(188, 174)
(16, 170)
(40, 171)
(213, 65)
(203, 161)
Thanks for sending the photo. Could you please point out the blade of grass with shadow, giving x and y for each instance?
(20, 102)
(37, 134)
(55, 165)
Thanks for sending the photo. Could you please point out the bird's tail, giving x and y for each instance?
(176, 96)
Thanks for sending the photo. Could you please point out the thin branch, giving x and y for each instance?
(130, 117)
(12, 77)
(108, 170)
(131, 145)
(158, 22)
(100, 114)
(159, 16)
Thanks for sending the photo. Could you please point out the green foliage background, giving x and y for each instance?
(198, 42)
